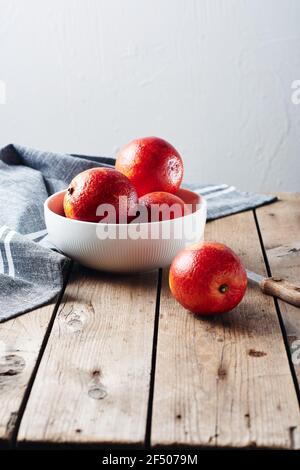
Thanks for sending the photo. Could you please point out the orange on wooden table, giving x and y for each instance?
(208, 278)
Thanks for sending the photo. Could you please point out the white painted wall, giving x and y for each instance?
(213, 77)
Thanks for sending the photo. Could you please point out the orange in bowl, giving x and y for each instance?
(162, 206)
(95, 187)
(151, 164)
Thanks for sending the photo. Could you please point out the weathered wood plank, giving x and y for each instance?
(280, 229)
(225, 381)
(20, 343)
(93, 382)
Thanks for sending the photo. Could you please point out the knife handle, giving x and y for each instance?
(282, 289)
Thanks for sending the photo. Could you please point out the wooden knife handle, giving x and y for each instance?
(282, 289)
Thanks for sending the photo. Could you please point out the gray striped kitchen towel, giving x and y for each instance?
(31, 273)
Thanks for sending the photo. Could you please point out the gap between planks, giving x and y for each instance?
(24, 338)
(40, 317)
(285, 337)
(228, 381)
(279, 225)
(97, 362)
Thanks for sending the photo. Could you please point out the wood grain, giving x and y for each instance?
(20, 343)
(93, 382)
(225, 381)
(280, 229)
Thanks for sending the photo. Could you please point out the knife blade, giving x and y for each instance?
(257, 278)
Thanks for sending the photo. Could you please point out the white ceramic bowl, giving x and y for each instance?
(124, 247)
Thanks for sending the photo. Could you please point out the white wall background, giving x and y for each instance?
(211, 76)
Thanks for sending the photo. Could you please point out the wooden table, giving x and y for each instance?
(118, 361)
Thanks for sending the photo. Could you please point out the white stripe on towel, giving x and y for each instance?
(7, 240)
(219, 193)
(36, 235)
(1, 264)
(209, 189)
(2, 230)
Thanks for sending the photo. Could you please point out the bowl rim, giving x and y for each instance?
(202, 203)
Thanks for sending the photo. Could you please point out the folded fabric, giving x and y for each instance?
(31, 272)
